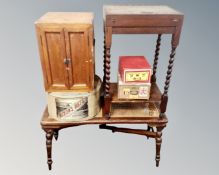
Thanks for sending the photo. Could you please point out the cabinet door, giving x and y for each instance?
(78, 51)
(54, 54)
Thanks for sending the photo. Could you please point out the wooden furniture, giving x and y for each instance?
(129, 20)
(66, 49)
(140, 20)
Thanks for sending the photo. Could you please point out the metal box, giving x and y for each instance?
(75, 106)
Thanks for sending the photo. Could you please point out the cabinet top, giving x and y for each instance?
(139, 10)
(67, 17)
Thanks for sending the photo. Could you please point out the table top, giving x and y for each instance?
(67, 17)
(139, 10)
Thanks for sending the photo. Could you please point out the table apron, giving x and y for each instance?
(142, 21)
(144, 30)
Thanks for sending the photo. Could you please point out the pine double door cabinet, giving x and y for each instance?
(122, 19)
(66, 45)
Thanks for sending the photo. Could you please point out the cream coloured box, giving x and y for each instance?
(133, 90)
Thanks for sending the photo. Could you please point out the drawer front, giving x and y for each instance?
(142, 21)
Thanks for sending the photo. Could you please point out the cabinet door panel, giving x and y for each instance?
(54, 54)
(77, 50)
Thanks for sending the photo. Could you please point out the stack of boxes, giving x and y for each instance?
(134, 77)
(134, 82)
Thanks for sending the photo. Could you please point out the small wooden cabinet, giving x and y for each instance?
(66, 45)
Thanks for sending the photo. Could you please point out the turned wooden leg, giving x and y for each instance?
(158, 144)
(106, 83)
(104, 59)
(164, 98)
(49, 136)
(107, 98)
(153, 78)
(106, 78)
(56, 134)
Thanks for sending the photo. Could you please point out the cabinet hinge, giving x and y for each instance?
(94, 42)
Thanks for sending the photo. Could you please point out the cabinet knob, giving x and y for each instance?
(67, 61)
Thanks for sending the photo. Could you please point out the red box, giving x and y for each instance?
(134, 69)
